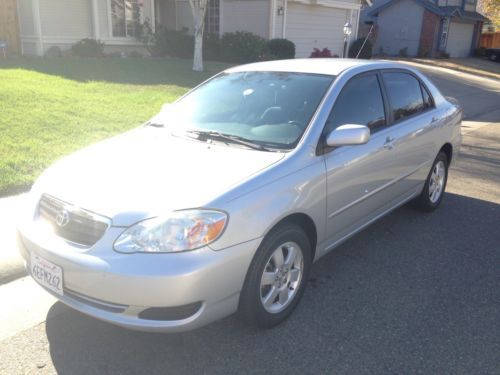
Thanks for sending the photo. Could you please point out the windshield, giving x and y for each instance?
(271, 109)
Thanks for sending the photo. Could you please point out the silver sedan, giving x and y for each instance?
(221, 202)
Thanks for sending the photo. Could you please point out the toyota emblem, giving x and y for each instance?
(62, 218)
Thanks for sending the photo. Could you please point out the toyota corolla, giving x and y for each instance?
(221, 202)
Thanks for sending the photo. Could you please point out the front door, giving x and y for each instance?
(360, 178)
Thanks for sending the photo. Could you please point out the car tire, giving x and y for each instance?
(435, 185)
(275, 283)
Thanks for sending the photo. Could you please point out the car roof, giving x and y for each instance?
(328, 66)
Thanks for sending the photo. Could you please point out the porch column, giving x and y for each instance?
(95, 19)
(38, 26)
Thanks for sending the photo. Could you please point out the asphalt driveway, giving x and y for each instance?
(413, 293)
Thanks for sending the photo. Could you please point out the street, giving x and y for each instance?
(412, 293)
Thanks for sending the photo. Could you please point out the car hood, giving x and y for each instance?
(148, 172)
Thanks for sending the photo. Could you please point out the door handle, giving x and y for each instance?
(389, 143)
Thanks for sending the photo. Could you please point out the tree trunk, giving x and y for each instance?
(199, 9)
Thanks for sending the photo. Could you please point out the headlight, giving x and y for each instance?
(179, 231)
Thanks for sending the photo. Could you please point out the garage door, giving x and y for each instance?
(459, 39)
(314, 26)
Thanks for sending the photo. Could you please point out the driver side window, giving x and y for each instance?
(360, 102)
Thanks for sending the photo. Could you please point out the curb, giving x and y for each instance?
(11, 262)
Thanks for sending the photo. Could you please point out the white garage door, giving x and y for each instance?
(314, 26)
(459, 39)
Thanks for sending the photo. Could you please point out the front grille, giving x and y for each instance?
(72, 223)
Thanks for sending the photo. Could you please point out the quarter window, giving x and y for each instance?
(126, 17)
(360, 102)
(427, 98)
(404, 94)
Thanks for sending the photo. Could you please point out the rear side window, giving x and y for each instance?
(405, 94)
(360, 102)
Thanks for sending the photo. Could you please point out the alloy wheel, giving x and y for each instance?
(281, 278)
(436, 182)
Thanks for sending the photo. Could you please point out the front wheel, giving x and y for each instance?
(276, 278)
(433, 191)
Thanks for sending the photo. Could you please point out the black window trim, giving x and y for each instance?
(422, 87)
(322, 148)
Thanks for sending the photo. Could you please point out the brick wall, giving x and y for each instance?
(429, 34)
(9, 28)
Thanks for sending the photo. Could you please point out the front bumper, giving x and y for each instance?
(197, 287)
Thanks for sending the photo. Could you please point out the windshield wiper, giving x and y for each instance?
(229, 138)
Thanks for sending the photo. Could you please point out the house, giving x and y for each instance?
(308, 23)
(427, 27)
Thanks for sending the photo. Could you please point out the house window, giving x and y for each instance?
(212, 21)
(445, 23)
(126, 17)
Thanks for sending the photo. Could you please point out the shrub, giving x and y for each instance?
(423, 52)
(212, 46)
(176, 43)
(443, 55)
(88, 48)
(480, 51)
(366, 52)
(325, 52)
(53, 52)
(280, 49)
(242, 47)
(403, 52)
(135, 55)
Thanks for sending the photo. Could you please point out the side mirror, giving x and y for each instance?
(348, 135)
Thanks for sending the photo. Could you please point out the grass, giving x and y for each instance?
(52, 107)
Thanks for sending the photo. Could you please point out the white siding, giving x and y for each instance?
(102, 14)
(30, 48)
(460, 39)
(399, 27)
(66, 18)
(312, 26)
(470, 7)
(246, 15)
(26, 17)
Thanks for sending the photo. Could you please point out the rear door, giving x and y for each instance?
(413, 118)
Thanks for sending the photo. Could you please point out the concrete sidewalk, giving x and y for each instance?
(11, 263)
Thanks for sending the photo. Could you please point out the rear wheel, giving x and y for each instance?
(433, 191)
(276, 278)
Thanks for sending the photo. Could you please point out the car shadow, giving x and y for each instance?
(413, 291)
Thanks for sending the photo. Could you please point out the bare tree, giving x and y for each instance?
(199, 9)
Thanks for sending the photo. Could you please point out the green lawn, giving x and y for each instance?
(51, 107)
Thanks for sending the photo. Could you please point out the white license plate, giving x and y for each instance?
(47, 274)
